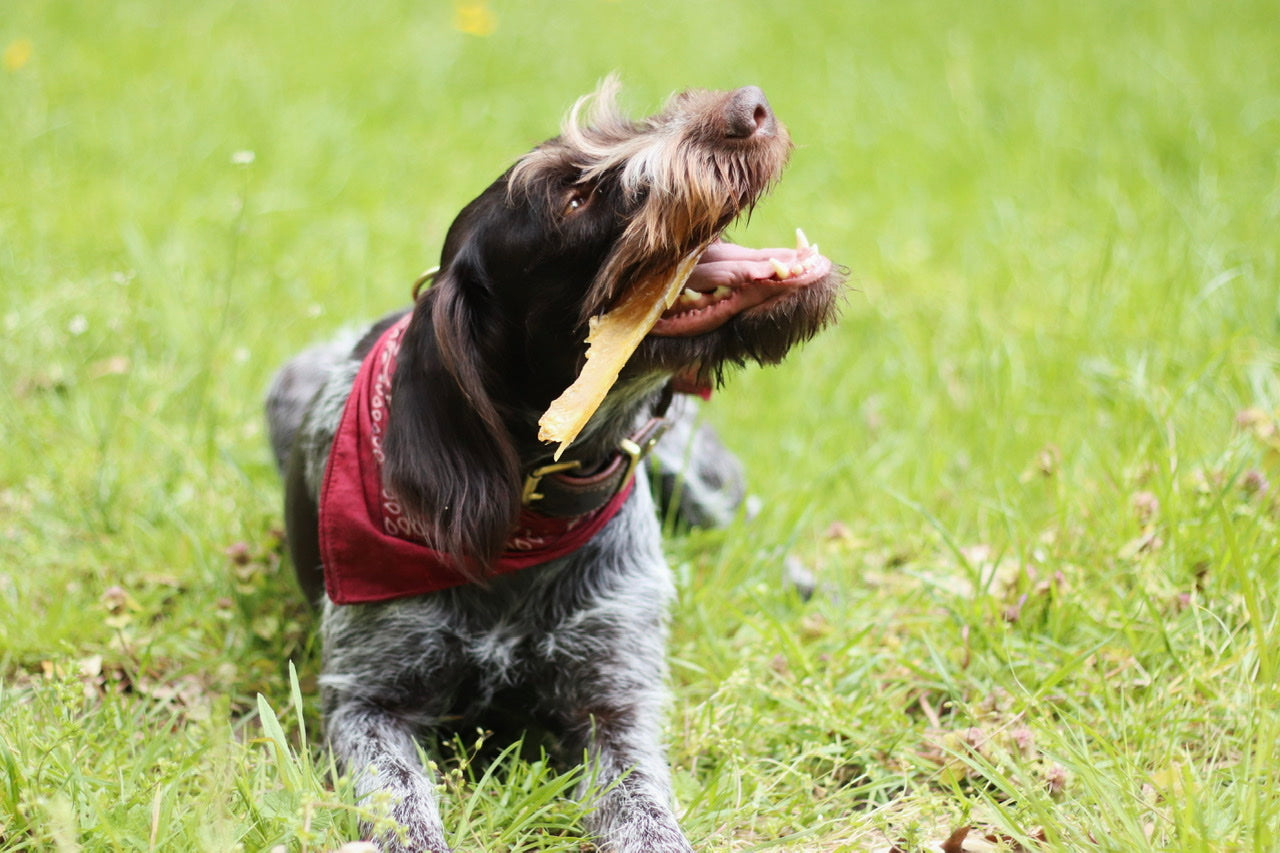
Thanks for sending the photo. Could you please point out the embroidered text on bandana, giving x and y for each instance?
(372, 550)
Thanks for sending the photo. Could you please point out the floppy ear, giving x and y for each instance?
(449, 459)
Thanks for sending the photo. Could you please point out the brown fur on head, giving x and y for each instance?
(556, 240)
(684, 173)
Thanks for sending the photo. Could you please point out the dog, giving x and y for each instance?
(463, 576)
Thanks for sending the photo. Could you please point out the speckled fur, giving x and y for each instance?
(581, 639)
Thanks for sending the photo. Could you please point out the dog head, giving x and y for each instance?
(560, 238)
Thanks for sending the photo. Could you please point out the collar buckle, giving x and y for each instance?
(637, 447)
(530, 493)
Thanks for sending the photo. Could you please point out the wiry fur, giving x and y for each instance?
(682, 191)
(575, 646)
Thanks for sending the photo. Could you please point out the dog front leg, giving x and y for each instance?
(628, 773)
(378, 749)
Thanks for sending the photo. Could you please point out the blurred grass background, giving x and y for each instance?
(1031, 470)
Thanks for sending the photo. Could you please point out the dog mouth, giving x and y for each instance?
(729, 280)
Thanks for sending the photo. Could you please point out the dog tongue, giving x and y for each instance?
(731, 279)
(611, 340)
(730, 264)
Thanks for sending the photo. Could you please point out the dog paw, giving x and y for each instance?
(411, 842)
(647, 842)
(424, 836)
(645, 831)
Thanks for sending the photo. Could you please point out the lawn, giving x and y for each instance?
(1033, 473)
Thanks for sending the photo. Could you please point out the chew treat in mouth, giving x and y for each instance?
(611, 339)
(710, 287)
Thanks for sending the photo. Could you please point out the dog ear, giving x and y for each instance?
(449, 458)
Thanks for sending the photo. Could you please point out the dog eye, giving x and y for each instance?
(577, 200)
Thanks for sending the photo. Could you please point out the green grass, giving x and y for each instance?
(1034, 469)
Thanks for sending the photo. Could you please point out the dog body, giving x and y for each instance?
(573, 645)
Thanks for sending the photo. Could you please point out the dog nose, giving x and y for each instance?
(747, 113)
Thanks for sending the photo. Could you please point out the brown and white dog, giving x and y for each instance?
(462, 577)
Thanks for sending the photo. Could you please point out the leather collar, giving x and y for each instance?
(557, 491)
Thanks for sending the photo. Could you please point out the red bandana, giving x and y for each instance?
(371, 550)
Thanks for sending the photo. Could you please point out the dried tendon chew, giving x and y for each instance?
(611, 340)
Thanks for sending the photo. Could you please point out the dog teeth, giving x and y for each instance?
(802, 242)
(688, 296)
(780, 270)
(721, 292)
